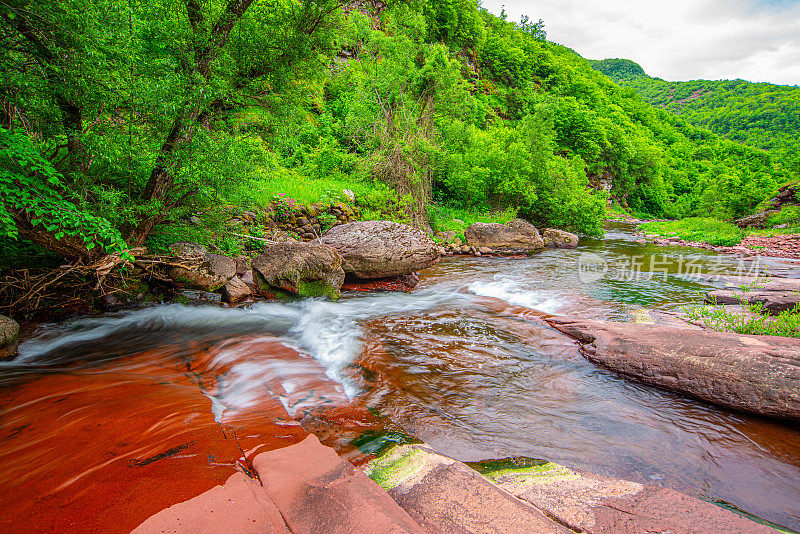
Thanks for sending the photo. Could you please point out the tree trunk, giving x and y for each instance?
(71, 248)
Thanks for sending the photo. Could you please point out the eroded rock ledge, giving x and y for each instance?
(757, 374)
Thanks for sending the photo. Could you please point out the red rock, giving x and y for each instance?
(397, 283)
(316, 492)
(757, 374)
(240, 506)
(596, 504)
(445, 496)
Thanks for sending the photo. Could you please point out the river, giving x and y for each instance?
(461, 363)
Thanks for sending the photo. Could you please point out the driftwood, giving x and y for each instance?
(30, 290)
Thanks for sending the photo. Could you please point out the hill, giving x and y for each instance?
(761, 115)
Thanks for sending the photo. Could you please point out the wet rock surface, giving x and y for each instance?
(304, 488)
(515, 237)
(316, 491)
(381, 249)
(306, 269)
(526, 495)
(757, 374)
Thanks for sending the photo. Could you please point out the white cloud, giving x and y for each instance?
(677, 39)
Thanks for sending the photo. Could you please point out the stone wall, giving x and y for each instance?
(310, 222)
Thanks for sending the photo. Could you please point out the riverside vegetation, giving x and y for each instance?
(139, 126)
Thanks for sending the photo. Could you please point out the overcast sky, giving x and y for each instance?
(677, 40)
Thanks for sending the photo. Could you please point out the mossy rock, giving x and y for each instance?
(300, 269)
(522, 470)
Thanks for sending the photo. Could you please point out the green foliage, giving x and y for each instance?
(751, 319)
(405, 105)
(699, 229)
(29, 183)
(760, 115)
(788, 215)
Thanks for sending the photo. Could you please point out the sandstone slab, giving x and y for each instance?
(596, 504)
(757, 374)
(316, 491)
(445, 496)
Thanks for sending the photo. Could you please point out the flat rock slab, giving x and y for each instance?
(240, 505)
(758, 374)
(446, 496)
(773, 301)
(597, 504)
(316, 491)
(304, 488)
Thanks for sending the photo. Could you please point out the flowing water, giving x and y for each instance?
(463, 363)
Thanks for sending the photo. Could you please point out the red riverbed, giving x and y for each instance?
(105, 421)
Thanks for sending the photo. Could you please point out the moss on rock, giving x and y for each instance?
(523, 470)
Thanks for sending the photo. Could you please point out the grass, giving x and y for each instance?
(302, 189)
(769, 232)
(751, 320)
(446, 218)
(700, 229)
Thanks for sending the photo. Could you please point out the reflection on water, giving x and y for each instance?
(463, 363)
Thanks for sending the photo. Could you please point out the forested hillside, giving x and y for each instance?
(761, 115)
(121, 120)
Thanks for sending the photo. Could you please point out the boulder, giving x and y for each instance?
(188, 250)
(516, 237)
(9, 337)
(221, 265)
(773, 301)
(555, 238)
(210, 272)
(757, 374)
(208, 275)
(310, 269)
(242, 264)
(235, 290)
(381, 249)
